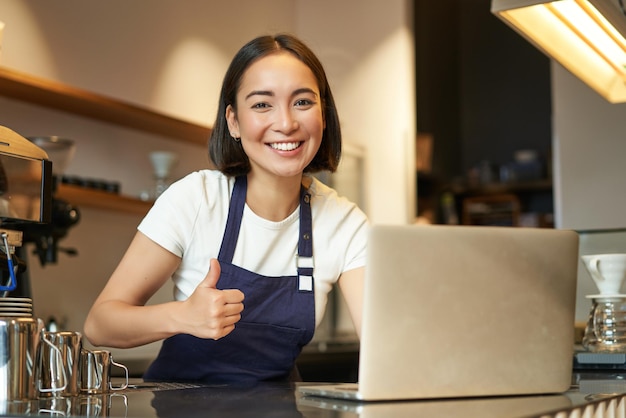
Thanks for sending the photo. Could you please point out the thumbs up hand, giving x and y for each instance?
(211, 278)
(212, 313)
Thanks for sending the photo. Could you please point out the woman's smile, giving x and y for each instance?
(285, 146)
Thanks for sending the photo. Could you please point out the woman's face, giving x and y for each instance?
(279, 115)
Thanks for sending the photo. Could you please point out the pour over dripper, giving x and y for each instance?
(608, 271)
(606, 328)
(162, 164)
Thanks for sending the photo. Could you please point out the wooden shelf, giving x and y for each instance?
(496, 210)
(59, 96)
(498, 188)
(81, 196)
(66, 98)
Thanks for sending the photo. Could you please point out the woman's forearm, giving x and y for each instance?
(120, 325)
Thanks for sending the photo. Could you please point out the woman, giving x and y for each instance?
(273, 238)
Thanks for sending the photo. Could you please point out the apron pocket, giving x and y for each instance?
(268, 347)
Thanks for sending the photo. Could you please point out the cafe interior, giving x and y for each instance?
(455, 112)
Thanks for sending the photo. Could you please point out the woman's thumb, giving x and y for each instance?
(213, 275)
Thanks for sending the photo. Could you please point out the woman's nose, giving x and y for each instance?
(286, 121)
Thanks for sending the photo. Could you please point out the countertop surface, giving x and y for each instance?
(283, 400)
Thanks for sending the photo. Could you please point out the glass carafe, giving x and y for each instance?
(606, 327)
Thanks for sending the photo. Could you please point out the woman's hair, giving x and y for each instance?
(226, 153)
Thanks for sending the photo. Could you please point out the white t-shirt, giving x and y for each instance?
(189, 220)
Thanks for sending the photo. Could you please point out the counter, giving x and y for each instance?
(282, 400)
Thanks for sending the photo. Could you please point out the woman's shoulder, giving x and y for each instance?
(208, 177)
(328, 199)
(318, 188)
(326, 194)
(203, 182)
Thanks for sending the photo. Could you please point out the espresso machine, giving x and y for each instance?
(25, 202)
(29, 212)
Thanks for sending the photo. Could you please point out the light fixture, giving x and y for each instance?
(588, 37)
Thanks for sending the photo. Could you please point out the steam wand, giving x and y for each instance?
(12, 280)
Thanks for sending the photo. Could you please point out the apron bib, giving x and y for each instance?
(277, 321)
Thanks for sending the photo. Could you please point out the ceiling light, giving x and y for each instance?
(588, 37)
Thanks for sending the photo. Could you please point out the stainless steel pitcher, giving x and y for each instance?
(58, 361)
(19, 339)
(95, 372)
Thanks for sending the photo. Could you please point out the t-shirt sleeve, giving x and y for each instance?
(170, 220)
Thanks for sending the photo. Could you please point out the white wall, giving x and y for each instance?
(589, 172)
(590, 156)
(369, 49)
(171, 56)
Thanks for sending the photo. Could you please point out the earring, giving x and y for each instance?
(235, 138)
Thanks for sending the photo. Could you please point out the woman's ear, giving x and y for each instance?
(231, 119)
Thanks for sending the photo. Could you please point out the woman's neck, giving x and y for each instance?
(273, 198)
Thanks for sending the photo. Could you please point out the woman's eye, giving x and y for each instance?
(304, 102)
(260, 105)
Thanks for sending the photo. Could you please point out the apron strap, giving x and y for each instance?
(305, 263)
(233, 222)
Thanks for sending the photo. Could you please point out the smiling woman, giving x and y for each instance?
(248, 318)
(303, 64)
(281, 116)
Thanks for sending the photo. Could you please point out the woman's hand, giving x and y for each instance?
(210, 312)
(121, 318)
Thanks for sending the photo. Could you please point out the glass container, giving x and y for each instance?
(606, 327)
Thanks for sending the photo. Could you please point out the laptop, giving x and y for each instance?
(479, 407)
(464, 311)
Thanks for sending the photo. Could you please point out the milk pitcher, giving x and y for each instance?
(95, 372)
(58, 361)
(19, 339)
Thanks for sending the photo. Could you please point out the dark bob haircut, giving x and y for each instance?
(227, 154)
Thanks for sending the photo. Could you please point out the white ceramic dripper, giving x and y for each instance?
(608, 271)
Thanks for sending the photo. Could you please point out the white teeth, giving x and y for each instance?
(285, 146)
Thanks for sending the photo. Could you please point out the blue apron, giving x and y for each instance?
(277, 321)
